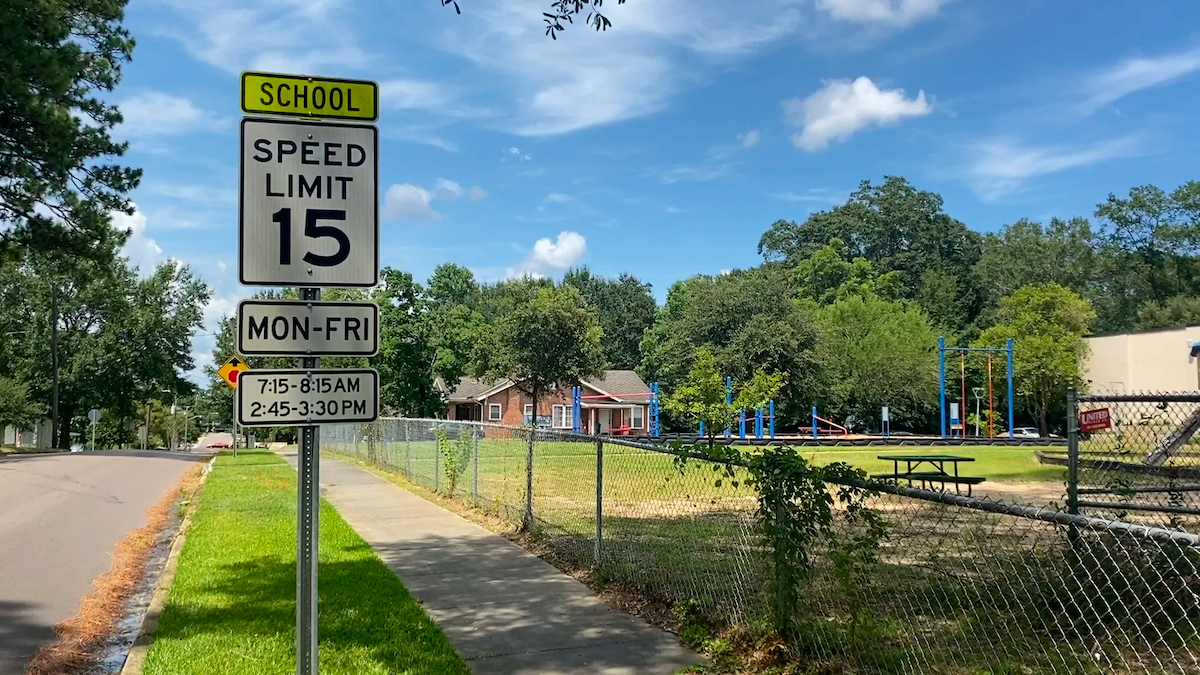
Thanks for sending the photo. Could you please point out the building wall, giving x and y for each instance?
(1142, 362)
(512, 408)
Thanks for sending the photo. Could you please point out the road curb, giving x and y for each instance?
(136, 657)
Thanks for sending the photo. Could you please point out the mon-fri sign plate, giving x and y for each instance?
(309, 195)
(290, 328)
(303, 397)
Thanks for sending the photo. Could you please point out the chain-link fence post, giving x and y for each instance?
(527, 520)
(1073, 463)
(407, 453)
(475, 463)
(599, 497)
(438, 433)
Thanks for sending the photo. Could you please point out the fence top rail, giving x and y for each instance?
(1142, 397)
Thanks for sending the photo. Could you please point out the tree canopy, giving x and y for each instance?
(58, 178)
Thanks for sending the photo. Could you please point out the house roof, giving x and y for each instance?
(618, 383)
(471, 389)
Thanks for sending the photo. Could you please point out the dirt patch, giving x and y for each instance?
(81, 638)
(1033, 493)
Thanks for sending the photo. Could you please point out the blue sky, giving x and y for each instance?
(667, 145)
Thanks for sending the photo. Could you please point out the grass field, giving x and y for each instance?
(231, 608)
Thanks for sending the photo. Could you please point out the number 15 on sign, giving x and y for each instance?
(309, 204)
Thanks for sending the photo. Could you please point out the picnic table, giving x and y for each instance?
(927, 469)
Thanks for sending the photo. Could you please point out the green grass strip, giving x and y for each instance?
(232, 606)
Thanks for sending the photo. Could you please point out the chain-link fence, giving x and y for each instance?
(956, 584)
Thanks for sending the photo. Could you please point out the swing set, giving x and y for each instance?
(956, 419)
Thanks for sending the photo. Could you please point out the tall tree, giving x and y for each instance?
(1047, 323)
(1176, 312)
(58, 184)
(405, 360)
(898, 229)
(1150, 243)
(878, 352)
(16, 407)
(1026, 252)
(551, 341)
(625, 308)
(749, 320)
(703, 398)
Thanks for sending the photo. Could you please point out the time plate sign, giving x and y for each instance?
(302, 397)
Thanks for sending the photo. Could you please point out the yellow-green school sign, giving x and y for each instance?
(302, 96)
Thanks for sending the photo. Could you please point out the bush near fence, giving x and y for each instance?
(944, 584)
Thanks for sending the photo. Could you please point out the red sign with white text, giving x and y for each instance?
(1094, 420)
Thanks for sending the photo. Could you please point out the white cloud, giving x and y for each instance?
(750, 138)
(1138, 73)
(811, 195)
(405, 94)
(654, 51)
(675, 209)
(405, 200)
(515, 155)
(551, 254)
(408, 201)
(155, 113)
(222, 268)
(1001, 166)
(890, 12)
(142, 251)
(447, 190)
(289, 36)
(558, 198)
(840, 108)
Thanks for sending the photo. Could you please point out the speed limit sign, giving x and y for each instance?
(309, 194)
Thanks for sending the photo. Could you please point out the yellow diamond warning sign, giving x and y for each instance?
(307, 96)
(231, 369)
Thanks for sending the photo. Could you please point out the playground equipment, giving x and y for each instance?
(831, 428)
(652, 421)
(957, 418)
(761, 423)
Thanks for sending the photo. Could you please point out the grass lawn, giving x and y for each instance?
(232, 605)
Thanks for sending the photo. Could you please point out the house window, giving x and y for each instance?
(563, 417)
(637, 417)
(528, 413)
(494, 412)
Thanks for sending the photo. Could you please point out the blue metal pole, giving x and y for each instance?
(742, 424)
(942, 382)
(576, 409)
(814, 421)
(701, 428)
(758, 423)
(728, 400)
(1011, 421)
(655, 425)
(772, 422)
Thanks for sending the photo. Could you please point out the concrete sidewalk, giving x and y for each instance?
(506, 611)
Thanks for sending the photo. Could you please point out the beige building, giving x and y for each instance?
(1147, 361)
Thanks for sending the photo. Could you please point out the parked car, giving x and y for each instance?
(1026, 432)
(220, 444)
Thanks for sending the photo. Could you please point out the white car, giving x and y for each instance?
(1026, 432)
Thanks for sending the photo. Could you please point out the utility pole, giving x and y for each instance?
(54, 366)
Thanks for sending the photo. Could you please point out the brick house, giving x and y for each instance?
(618, 400)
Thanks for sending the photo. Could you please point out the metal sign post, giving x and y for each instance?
(94, 417)
(307, 531)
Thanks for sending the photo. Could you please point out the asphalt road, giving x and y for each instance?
(60, 516)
